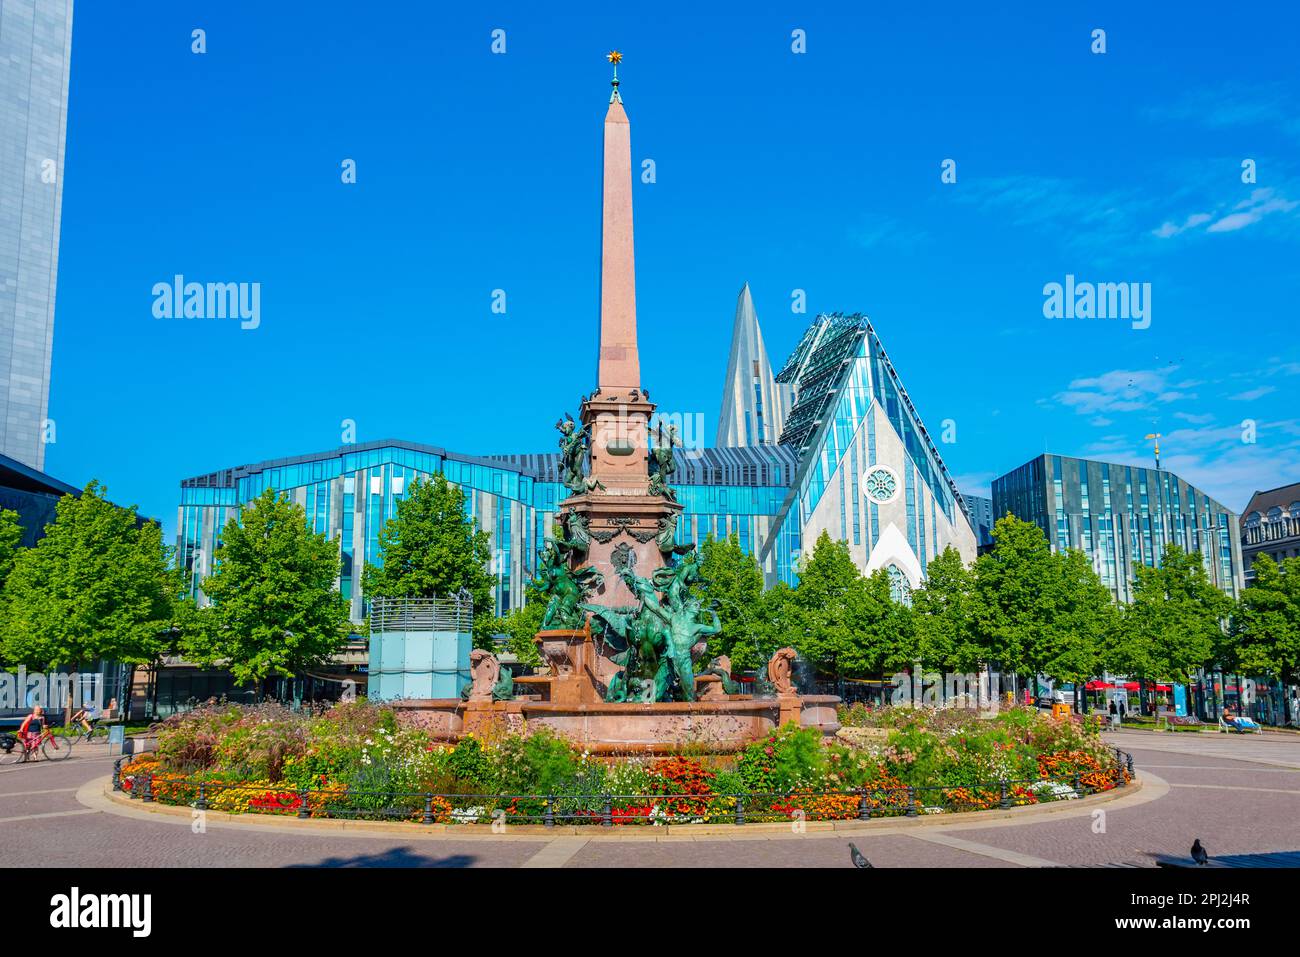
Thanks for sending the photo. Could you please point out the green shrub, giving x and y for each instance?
(788, 759)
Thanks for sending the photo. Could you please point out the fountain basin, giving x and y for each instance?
(722, 724)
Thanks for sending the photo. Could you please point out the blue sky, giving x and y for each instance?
(817, 171)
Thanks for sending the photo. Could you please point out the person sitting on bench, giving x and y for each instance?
(1238, 722)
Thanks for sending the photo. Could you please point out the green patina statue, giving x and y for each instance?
(564, 587)
(666, 538)
(675, 581)
(571, 534)
(682, 631)
(646, 675)
(573, 454)
(663, 463)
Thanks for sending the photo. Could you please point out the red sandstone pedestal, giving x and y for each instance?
(578, 673)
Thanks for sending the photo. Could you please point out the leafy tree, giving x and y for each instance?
(275, 610)
(778, 622)
(850, 625)
(97, 585)
(1266, 623)
(944, 608)
(890, 626)
(1083, 615)
(1011, 584)
(432, 549)
(11, 538)
(733, 581)
(1175, 623)
(522, 625)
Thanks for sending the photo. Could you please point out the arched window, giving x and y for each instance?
(900, 590)
(1275, 513)
(1294, 509)
(1253, 520)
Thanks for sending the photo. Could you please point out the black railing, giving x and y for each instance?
(609, 809)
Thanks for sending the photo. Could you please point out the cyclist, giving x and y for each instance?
(87, 717)
(29, 732)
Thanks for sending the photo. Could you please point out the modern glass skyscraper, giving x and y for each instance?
(35, 52)
(1122, 516)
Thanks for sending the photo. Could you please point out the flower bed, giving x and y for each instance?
(357, 761)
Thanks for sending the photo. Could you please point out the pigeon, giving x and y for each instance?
(1198, 853)
(859, 860)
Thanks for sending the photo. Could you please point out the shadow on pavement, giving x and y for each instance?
(394, 857)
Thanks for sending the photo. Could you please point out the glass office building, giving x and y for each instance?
(1122, 516)
(35, 50)
(350, 492)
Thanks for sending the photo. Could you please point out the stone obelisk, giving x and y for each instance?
(623, 518)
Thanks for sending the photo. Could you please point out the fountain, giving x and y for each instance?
(626, 623)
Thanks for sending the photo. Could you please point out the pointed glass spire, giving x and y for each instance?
(754, 404)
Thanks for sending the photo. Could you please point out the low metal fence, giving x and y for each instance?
(609, 810)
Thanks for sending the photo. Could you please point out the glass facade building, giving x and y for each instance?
(853, 460)
(868, 473)
(350, 492)
(35, 49)
(1122, 516)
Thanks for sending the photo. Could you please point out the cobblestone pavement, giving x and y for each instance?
(1238, 794)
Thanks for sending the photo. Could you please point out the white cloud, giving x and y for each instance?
(1216, 460)
(1262, 202)
(1168, 229)
(1250, 395)
(1235, 104)
(1121, 390)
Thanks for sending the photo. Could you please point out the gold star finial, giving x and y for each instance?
(614, 57)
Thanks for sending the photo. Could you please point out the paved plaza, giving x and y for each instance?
(1237, 794)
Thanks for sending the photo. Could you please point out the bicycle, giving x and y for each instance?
(96, 734)
(51, 746)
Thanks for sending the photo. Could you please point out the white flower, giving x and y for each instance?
(1056, 789)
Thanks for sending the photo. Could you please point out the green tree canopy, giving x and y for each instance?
(849, 624)
(432, 549)
(275, 610)
(1266, 625)
(521, 625)
(1012, 585)
(97, 585)
(944, 608)
(1175, 623)
(1082, 615)
(11, 539)
(733, 581)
